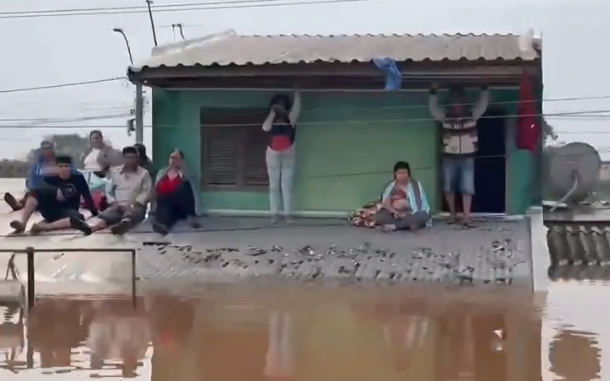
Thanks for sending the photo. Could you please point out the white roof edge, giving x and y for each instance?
(160, 53)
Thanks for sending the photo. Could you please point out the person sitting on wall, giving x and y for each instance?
(128, 191)
(280, 155)
(44, 165)
(101, 157)
(404, 202)
(460, 142)
(57, 198)
(175, 196)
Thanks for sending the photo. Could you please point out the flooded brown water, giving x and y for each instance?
(317, 335)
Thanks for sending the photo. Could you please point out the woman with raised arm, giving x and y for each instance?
(280, 125)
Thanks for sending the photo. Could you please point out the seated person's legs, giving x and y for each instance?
(165, 214)
(385, 217)
(108, 217)
(174, 207)
(56, 218)
(131, 217)
(30, 206)
(408, 221)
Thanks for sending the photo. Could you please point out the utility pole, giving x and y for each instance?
(139, 113)
(139, 107)
(152, 21)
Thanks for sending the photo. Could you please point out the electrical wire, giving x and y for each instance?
(203, 7)
(405, 107)
(327, 122)
(72, 84)
(135, 7)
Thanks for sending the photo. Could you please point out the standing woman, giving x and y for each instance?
(281, 128)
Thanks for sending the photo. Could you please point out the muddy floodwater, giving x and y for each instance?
(235, 333)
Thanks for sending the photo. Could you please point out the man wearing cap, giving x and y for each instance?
(128, 191)
(57, 198)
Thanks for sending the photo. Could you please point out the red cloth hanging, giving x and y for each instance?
(529, 126)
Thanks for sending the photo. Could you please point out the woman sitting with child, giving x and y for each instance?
(403, 205)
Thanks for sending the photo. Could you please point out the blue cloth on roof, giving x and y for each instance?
(393, 77)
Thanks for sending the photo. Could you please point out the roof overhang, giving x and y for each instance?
(335, 75)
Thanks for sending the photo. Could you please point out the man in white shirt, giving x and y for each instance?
(128, 192)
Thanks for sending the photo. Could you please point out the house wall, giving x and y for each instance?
(347, 144)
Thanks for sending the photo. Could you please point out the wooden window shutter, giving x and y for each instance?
(255, 166)
(222, 156)
(233, 149)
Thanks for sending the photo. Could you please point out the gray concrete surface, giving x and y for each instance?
(250, 249)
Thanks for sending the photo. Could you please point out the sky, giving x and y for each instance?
(55, 50)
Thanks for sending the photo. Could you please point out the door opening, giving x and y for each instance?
(489, 168)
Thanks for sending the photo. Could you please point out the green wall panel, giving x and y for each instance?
(346, 146)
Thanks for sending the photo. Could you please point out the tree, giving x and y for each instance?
(548, 132)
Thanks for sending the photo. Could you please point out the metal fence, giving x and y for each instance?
(30, 252)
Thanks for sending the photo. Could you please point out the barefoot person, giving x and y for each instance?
(57, 198)
(128, 191)
(404, 203)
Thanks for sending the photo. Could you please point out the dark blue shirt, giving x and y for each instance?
(72, 188)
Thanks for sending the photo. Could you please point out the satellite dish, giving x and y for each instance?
(573, 162)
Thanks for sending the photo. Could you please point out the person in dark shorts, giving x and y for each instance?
(57, 198)
(128, 191)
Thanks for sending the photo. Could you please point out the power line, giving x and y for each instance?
(134, 7)
(25, 89)
(308, 110)
(327, 122)
(138, 10)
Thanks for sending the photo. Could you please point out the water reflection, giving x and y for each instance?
(169, 338)
(574, 355)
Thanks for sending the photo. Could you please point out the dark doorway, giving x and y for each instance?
(490, 166)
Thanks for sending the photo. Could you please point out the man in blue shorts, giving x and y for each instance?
(460, 140)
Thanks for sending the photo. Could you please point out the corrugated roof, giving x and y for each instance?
(230, 48)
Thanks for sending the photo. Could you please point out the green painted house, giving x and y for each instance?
(211, 96)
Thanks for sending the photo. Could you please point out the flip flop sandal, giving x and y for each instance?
(12, 202)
